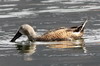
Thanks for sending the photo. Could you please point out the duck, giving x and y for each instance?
(59, 34)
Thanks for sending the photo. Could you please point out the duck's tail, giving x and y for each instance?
(81, 27)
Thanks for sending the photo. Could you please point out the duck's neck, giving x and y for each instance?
(32, 36)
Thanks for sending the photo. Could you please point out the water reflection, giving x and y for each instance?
(70, 44)
(27, 49)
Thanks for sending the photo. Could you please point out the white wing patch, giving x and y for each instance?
(76, 33)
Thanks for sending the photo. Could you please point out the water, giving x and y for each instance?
(45, 15)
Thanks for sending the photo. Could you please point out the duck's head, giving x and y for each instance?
(25, 30)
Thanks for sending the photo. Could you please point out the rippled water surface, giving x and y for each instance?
(45, 15)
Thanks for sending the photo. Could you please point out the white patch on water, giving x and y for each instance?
(62, 10)
(18, 14)
(50, 1)
(8, 5)
(6, 16)
(21, 14)
(76, 21)
(72, 3)
(7, 41)
(82, 9)
(92, 36)
(96, 24)
(78, 8)
(6, 9)
(9, 0)
(86, 0)
(52, 7)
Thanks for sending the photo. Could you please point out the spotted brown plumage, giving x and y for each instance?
(59, 34)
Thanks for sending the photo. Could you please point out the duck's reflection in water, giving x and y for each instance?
(29, 48)
(70, 44)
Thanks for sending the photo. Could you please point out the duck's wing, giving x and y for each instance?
(57, 34)
(53, 30)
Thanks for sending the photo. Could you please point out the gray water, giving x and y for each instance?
(45, 15)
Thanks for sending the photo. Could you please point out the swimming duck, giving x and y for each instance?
(63, 33)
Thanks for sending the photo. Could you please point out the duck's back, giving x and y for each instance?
(57, 34)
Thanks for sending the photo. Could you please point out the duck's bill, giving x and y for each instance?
(18, 34)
